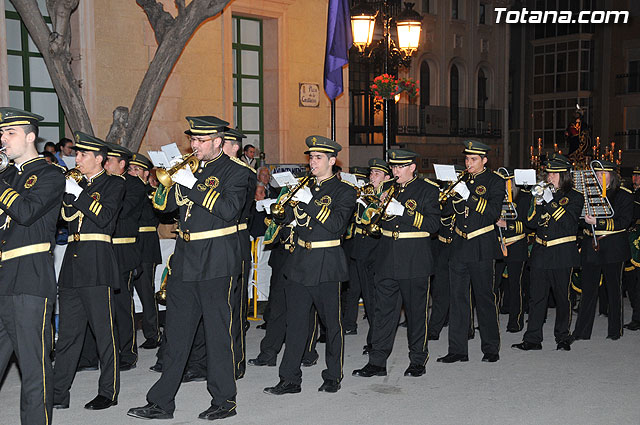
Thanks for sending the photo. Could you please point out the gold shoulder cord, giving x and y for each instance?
(78, 214)
(300, 217)
(183, 200)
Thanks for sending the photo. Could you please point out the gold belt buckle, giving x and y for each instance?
(76, 237)
(291, 248)
(307, 245)
(396, 235)
(186, 236)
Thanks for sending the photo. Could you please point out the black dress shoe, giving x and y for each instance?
(351, 332)
(86, 368)
(127, 366)
(262, 326)
(60, 405)
(150, 411)
(415, 370)
(453, 358)
(513, 329)
(633, 325)
(100, 402)
(366, 350)
(217, 412)
(564, 346)
(330, 386)
(156, 368)
(491, 357)
(283, 388)
(193, 376)
(309, 363)
(370, 370)
(150, 343)
(613, 337)
(527, 346)
(259, 362)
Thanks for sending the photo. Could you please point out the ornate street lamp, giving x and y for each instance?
(408, 25)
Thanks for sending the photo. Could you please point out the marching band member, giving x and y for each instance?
(473, 251)
(316, 267)
(205, 264)
(631, 278)
(608, 257)
(30, 197)
(89, 274)
(554, 215)
(404, 262)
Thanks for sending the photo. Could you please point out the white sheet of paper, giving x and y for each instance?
(525, 177)
(159, 159)
(351, 178)
(361, 183)
(283, 179)
(265, 204)
(445, 173)
(171, 151)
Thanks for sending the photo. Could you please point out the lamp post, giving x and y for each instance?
(408, 24)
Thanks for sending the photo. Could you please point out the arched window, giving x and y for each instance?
(454, 94)
(425, 92)
(482, 95)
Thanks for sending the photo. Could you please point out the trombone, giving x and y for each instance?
(277, 209)
(164, 175)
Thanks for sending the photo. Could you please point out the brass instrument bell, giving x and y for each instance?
(164, 175)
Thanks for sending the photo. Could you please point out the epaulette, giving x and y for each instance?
(350, 184)
(498, 174)
(432, 182)
(625, 189)
(60, 167)
(244, 164)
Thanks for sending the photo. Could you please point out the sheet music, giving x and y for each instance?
(159, 159)
(445, 173)
(283, 179)
(171, 151)
(525, 177)
(350, 178)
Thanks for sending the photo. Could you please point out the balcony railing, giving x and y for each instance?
(417, 120)
(628, 83)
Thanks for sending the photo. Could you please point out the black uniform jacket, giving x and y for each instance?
(554, 221)
(214, 203)
(360, 245)
(128, 253)
(30, 198)
(148, 240)
(92, 263)
(323, 219)
(408, 258)
(515, 234)
(478, 214)
(612, 233)
(248, 206)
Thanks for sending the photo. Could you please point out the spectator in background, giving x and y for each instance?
(49, 147)
(264, 177)
(63, 148)
(49, 157)
(248, 156)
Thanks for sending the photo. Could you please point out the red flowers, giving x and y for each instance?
(387, 86)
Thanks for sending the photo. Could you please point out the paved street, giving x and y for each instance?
(598, 382)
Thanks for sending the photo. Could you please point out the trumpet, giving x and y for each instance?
(164, 175)
(373, 228)
(4, 160)
(537, 191)
(368, 193)
(277, 209)
(74, 174)
(161, 295)
(444, 195)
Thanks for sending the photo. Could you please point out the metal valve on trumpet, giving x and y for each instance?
(4, 160)
(164, 175)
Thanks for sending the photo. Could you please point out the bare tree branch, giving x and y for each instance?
(180, 6)
(60, 13)
(160, 20)
(118, 129)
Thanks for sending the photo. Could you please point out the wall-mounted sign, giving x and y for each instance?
(309, 95)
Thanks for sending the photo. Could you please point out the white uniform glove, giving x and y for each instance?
(72, 187)
(547, 195)
(303, 195)
(184, 177)
(395, 208)
(462, 190)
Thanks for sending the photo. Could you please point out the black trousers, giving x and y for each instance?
(512, 291)
(543, 281)
(144, 285)
(299, 300)
(479, 277)
(631, 281)
(350, 298)
(187, 304)
(612, 274)
(240, 306)
(439, 291)
(125, 322)
(92, 305)
(276, 330)
(364, 269)
(25, 329)
(391, 295)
